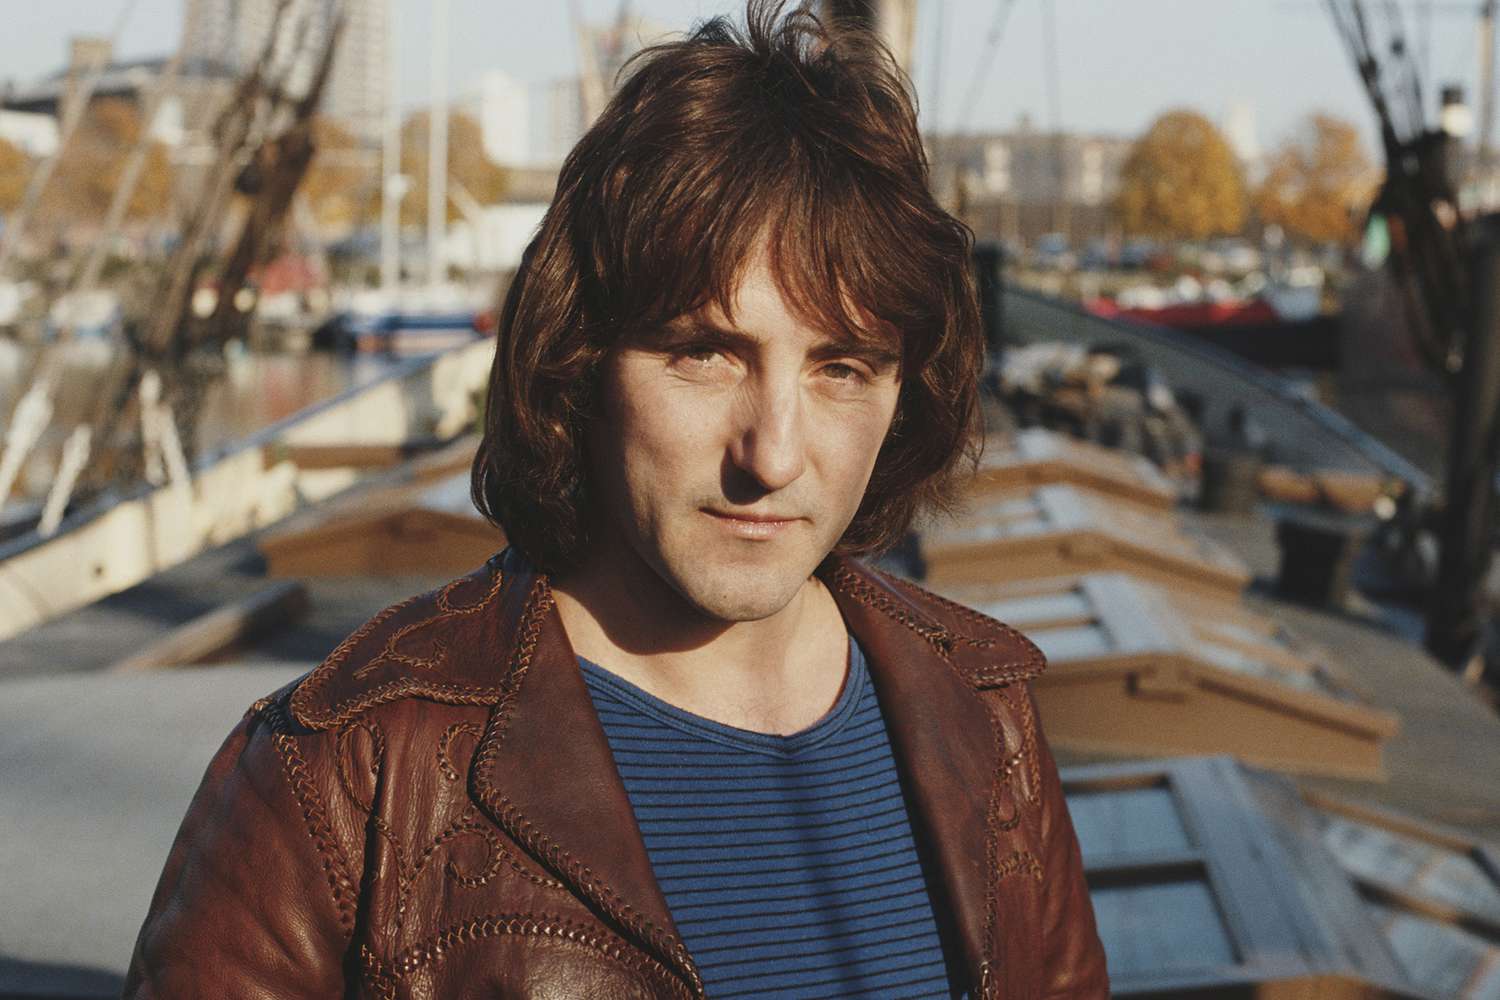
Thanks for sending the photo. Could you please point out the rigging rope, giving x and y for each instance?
(986, 59)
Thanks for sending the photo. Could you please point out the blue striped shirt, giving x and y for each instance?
(788, 862)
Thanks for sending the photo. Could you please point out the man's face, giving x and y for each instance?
(730, 455)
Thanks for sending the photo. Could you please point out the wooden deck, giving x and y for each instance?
(79, 744)
(1444, 763)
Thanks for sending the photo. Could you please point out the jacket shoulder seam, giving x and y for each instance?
(1028, 664)
(940, 638)
(305, 706)
(294, 771)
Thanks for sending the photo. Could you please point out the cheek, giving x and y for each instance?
(850, 442)
(662, 432)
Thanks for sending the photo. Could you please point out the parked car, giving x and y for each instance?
(1138, 253)
(1053, 253)
(1099, 255)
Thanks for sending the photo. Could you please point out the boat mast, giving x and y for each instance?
(437, 146)
(72, 108)
(392, 184)
(1486, 38)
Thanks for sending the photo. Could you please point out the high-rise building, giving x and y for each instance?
(229, 35)
(1022, 183)
(360, 85)
(505, 119)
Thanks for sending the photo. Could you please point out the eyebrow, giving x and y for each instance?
(686, 328)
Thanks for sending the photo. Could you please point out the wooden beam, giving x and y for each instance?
(353, 456)
(212, 633)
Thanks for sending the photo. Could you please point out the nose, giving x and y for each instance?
(769, 442)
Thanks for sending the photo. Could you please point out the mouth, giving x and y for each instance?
(752, 525)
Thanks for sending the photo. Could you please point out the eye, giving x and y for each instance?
(841, 372)
(698, 358)
(699, 353)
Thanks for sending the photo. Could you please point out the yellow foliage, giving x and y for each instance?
(342, 186)
(15, 171)
(92, 166)
(1319, 182)
(1181, 180)
(481, 177)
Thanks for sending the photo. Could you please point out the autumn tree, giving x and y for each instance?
(91, 168)
(1318, 182)
(342, 187)
(481, 177)
(15, 171)
(1181, 180)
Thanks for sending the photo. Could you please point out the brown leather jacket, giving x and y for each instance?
(434, 812)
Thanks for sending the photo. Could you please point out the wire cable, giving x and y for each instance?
(986, 60)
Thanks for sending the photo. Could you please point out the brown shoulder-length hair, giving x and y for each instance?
(792, 135)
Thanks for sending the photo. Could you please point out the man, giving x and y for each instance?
(674, 741)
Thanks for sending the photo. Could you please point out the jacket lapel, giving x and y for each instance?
(545, 773)
(944, 742)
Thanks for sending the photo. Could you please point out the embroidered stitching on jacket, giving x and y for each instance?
(902, 607)
(1003, 673)
(1020, 704)
(447, 611)
(335, 863)
(445, 747)
(345, 758)
(545, 925)
(1002, 676)
(1020, 863)
(304, 697)
(539, 604)
(470, 822)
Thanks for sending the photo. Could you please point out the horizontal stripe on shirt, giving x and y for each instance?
(788, 862)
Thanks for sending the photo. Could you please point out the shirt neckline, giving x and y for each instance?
(856, 682)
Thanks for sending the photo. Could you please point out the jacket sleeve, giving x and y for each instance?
(256, 899)
(1074, 956)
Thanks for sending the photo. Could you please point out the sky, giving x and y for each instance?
(1122, 62)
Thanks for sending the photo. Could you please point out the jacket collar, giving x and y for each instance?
(946, 745)
(545, 773)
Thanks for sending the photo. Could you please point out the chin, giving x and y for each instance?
(733, 593)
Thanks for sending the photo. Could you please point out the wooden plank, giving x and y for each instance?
(1353, 493)
(1251, 879)
(1166, 704)
(208, 635)
(415, 541)
(1036, 456)
(1284, 941)
(1332, 898)
(356, 456)
(1056, 530)
(392, 524)
(1395, 821)
(1160, 649)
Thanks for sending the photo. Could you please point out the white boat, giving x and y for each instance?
(105, 548)
(405, 320)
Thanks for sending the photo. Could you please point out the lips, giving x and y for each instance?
(754, 526)
(753, 518)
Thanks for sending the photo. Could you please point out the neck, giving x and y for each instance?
(776, 675)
